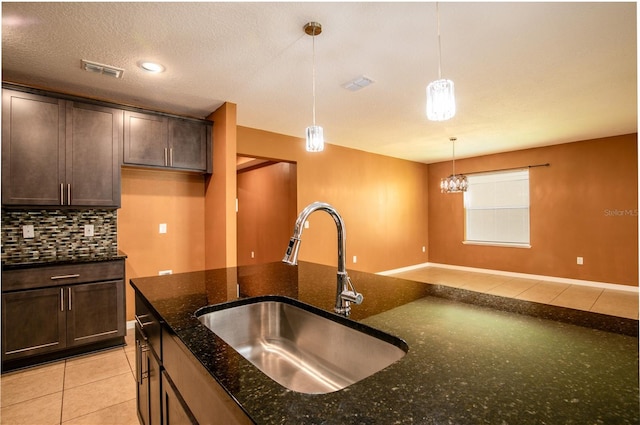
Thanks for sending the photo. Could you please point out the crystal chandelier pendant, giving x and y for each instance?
(441, 101)
(454, 183)
(315, 139)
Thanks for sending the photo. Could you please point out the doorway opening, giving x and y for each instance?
(266, 208)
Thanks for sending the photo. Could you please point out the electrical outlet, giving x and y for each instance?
(162, 228)
(88, 230)
(580, 261)
(27, 231)
(306, 224)
(424, 249)
(355, 259)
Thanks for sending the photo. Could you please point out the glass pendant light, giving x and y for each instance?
(315, 136)
(441, 102)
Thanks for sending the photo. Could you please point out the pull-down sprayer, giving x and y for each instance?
(345, 292)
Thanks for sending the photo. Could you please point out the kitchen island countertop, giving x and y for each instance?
(473, 358)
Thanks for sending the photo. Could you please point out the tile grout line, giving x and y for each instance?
(561, 292)
(96, 411)
(92, 383)
(64, 374)
(596, 300)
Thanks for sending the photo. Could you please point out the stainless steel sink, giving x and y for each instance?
(303, 348)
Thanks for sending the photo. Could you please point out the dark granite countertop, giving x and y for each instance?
(473, 358)
(72, 258)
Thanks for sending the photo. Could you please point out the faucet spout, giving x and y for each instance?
(345, 293)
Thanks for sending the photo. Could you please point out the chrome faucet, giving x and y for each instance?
(345, 292)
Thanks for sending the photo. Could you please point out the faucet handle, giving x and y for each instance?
(352, 296)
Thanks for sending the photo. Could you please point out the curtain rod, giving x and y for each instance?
(509, 169)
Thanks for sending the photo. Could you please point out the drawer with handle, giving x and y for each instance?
(68, 274)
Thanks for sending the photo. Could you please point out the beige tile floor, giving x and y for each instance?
(94, 389)
(99, 389)
(579, 297)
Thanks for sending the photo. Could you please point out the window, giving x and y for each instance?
(496, 208)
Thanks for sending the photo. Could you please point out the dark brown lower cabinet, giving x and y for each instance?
(33, 322)
(186, 392)
(142, 380)
(174, 409)
(54, 312)
(93, 312)
(148, 378)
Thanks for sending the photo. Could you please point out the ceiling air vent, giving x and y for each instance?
(99, 68)
(358, 83)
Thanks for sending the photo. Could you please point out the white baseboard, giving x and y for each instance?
(603, 285)
(405, 269)
(131, 324)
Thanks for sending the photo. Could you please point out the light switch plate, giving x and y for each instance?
(88, 230)
(27, 231)
(162, 228)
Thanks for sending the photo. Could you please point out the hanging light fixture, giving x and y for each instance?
(315, 136)
(455, 182)
(441, 101)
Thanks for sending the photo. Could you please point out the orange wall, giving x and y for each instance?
(585, 204)
(152, 197)
(382, 200)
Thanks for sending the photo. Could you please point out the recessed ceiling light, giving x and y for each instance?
(151, 67)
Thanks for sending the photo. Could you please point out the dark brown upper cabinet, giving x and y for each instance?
(167, 142)
(58, 152)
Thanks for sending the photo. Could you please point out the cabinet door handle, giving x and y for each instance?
(64, 276)
(61, 299)
(69, 299)
(171, 157)
(69, 194)
(139, 321)
(61, 194)
(166, 162)
(144, 366)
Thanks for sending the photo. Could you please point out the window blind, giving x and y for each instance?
(497, 208)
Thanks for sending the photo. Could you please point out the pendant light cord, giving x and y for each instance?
(439, 43)
(313, 73)
(453, 144)
(453, 152)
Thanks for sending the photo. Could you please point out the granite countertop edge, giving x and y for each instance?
(66, 260)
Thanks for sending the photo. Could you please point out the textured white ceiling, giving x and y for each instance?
(526, 74)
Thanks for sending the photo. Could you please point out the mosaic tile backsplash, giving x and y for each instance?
(58, 235)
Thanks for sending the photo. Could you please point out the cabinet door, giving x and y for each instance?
(145, 139)
(187, 144)
(95, 311)
(33, 322)
(155, 390)
(174, 409)
(33, 139)
(93, 140)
